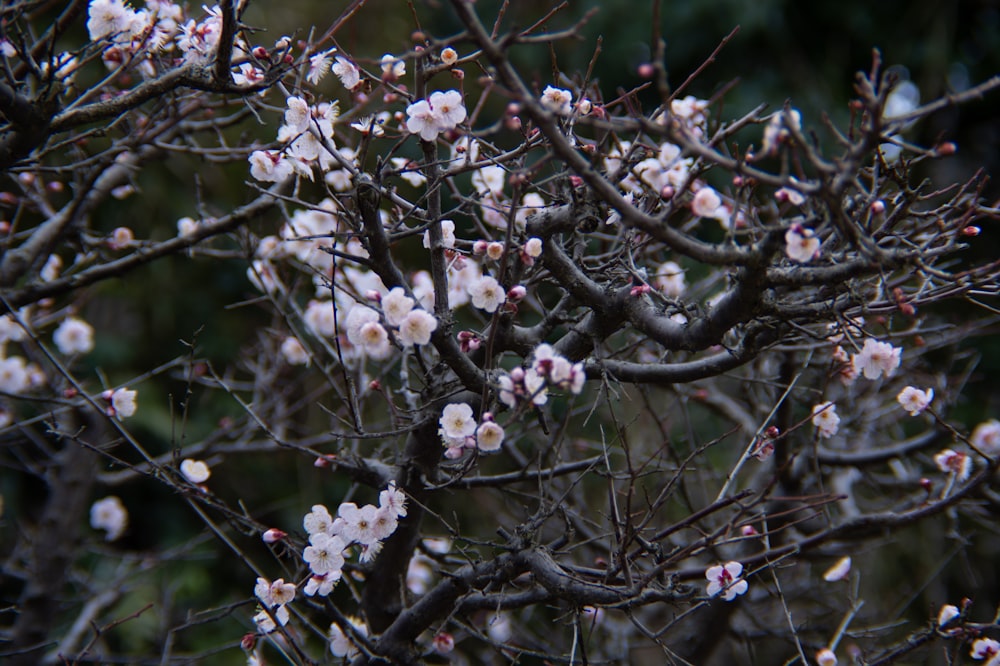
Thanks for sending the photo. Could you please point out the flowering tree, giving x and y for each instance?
(576, 378)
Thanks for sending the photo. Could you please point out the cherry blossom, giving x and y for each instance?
(913, 400)
(725, 578)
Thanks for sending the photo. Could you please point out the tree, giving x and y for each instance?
(591, 378)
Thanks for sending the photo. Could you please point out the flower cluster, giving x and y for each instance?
(548, 369)
(459, 431)
(274, 597)
(440, 112)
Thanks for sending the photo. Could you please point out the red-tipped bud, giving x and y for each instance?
(248, 641)
(878, 207)
(971, 230)
(273, 535)
(516, 293)
(260, 52)
(947, 148)
(748, 531)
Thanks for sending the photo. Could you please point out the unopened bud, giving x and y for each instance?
(772, 432)
(748, 530)
(971, 230)
(375, 385)
(513, 109)
(479, 247)
(517, 374)
(516, 293)
(373, 296)
(646, 70)
(260, 52)
(512, 123)
(926, 484)
(667, 193)
(273, 535)
(248, 641)
(494, 250)
(947, 148)
(878, 207)
(575, 181)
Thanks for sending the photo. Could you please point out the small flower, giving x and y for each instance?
(954, 462)
(195, 471)
(319, 65)
(342, 645)
(489, 436)
(348, 74)
(986, 437)
(876, 358)
(392, 67)
(109, 514)
(360, 524)
(74, 336)
(293, 352)
(449, 56)
(913, 400)
(801, 244)
(447, 235)
(487, 294)
(416, 328)
(123, 402)
(533, 247)
(324, 553)
(393, 499)
(557, 100)
(706, 202)
(456, 421)
(947, 614)
(825, 419)
(669, 279)
(726, 577)
(396, 305)
(444, 643)
(318, 521)
(838, 571)
(984, 648)
(322, 585)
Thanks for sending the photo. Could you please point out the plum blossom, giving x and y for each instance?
(347, 72)
(669, 279)
(109, 514)
(322, 584)
(706, 202)
(195, 471)
(269, 167)
(319, 65)
(274, 594)
(74, 336)
(801, 244)
(293, 352)
(533, 247)
(876, 358)
(824, 417)
(487, 294)
(557, 100)
(447, 235)
(986, 648)
(392, 499)
(489, 436)
(396, 305)
(392, 67)
(913, 400)
(123, 403)
(441, 112)
(457, 421)
(986, 437)
(324, 553)
(363, 524)
(416, 328)
(341, 644)
(726, 578)
(14, 377)
(318, 521)
(954, 462)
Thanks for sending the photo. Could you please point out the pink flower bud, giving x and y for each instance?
(273, 535)
(479, 247)
(748, 531)
(667, 193)
(947, 148)
(517, 374)
(878, 207)
(373, 296)
(444, 643)
(260, 52)
(646, 70)
(513, 123)
(971, 231)
(516, 293)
